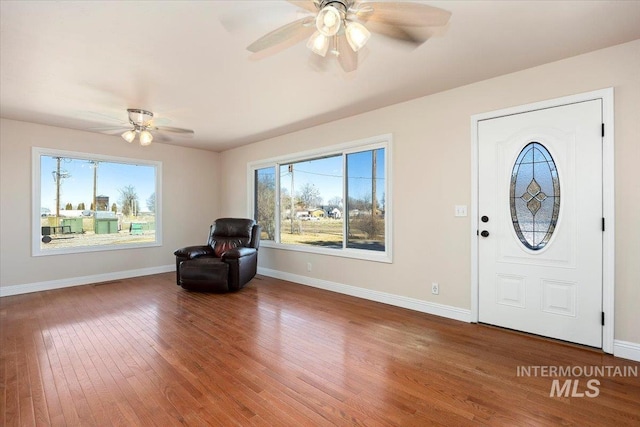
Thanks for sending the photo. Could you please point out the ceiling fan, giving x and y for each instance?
(338, 26)
(140, 124)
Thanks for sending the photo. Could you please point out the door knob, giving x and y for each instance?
(484, 233)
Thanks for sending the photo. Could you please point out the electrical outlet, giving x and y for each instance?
(435, 288)
(309, 266)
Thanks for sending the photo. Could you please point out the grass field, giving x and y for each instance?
(327, 233)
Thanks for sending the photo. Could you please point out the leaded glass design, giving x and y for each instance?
(535, 196)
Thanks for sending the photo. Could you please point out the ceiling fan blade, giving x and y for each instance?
(110, 130)
(171, 129)
(300, 28)
(309, 5)
(403, 14)
(413, 36)
(318, 63)
(94, 116)
(160, 137)
(347, 58)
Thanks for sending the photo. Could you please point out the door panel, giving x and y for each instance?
(540, 185)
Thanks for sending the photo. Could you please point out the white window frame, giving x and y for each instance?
(367, 144)
(36, 154)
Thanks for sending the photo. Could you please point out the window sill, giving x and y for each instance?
(384, 257)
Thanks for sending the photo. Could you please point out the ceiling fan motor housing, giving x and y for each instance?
(338, 4)
(140, 118)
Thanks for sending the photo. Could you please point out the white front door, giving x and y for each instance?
(540, 222)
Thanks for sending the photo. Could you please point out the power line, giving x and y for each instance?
(330, 175)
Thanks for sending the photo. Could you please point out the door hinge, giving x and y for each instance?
(603, 318)
(603, 130)
(602, 224)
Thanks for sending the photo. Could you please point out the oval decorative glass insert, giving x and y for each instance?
(535, 196)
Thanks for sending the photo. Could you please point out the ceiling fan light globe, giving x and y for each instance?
(318, 43)
(129, 136)
(145, 138)
(328, 21)
(357, 35)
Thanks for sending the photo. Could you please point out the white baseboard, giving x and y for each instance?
(447, 311)
(626, 350)
(26, 288)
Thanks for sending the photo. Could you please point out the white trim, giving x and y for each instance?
(441, 310)
(346, 147)
(608, 210)
(626, 350)
(385, 142)
(38, 152)
(608, 188)
(375, 256)
(26, 288)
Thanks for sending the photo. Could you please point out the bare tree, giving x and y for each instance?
(266, 204)
(129, 200)
(309, 196)
(151, 202)
(335, 202)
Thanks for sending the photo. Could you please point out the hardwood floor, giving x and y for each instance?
(145, 352)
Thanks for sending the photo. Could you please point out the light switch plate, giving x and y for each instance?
(460, 210)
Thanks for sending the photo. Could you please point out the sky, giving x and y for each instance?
(78, 186)
(326, 174)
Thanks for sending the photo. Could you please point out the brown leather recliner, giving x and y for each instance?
(227, 262)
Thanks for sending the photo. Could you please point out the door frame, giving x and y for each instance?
(608, 200)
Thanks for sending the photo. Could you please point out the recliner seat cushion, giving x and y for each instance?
(204, 274)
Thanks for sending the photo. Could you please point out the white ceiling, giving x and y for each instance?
(82, 64)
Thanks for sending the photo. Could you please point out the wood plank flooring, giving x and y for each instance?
(144, 351)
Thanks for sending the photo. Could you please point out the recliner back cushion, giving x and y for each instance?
(228, 233)
(233, 227)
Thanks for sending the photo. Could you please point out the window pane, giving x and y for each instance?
(535, 196)
(366, 200)
(311, 202)
(265, 201)
(87, 202)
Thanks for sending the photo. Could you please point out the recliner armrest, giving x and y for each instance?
(191, 252)
(237, 253)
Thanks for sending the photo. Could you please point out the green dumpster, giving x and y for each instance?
(105, 223)
(105, 226)
(74, 224)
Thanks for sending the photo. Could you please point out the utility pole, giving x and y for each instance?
(58, 176)
(57, 180)
(95, 183)
(292, 192)
(374, 167)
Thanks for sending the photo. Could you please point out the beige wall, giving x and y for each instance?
(189, 203)
(431, 174)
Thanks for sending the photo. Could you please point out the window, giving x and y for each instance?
(332, 201)
(535, 196)
(85, 202)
